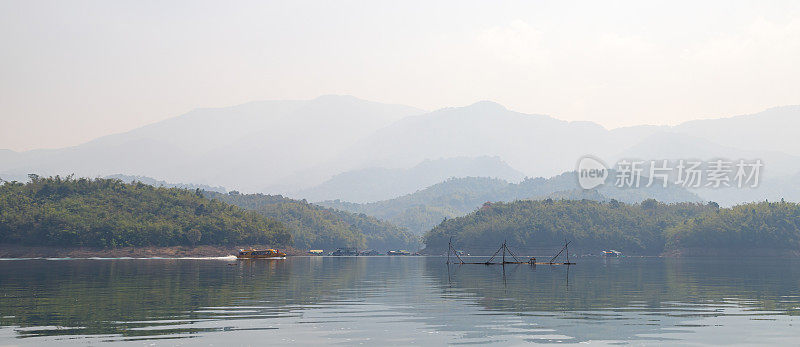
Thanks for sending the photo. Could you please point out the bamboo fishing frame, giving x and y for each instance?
(504, 248)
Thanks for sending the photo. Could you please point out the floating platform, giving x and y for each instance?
(510, 262)
(504, 249)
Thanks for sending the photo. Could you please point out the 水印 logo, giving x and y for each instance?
(591, 172)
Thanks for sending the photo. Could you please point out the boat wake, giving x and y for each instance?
(225, 258)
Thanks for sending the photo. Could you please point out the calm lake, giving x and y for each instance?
(398, 301)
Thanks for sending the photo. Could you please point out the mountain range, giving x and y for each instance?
(362, 151)
(246, 147)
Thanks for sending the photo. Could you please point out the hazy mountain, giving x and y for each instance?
(375, 184)
(159, 183)
(771, 130)
(772, 189)
(674, 146)
(535, 144)
(244, 147)
(540, 145)
(423, 209)
(8, 155)
(778, 178)
(343, 147)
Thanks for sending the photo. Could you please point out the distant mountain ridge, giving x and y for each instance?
(426, 208)
(375, 184)
(294, 146)
(246, 147)
(543, 146)
(158, 183)
(537, 145)
(770, 130)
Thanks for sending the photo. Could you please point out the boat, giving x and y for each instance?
(398, 252)
(612, 253)
(260, 254)
(315, 252)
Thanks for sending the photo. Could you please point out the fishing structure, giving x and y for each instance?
(504, 249)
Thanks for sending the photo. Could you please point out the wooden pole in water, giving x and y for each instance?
(504, 251)
(556, 256)
(449, 247)
(452, 248)
(494, 255)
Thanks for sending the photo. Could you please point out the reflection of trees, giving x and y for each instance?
(764, 283)
(114, 297)
(104, 297)
(612, 299)
(612, 283)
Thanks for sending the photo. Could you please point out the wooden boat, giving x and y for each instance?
(260, 254)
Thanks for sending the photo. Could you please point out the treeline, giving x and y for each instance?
(756, 225)
(109, 213)
(649, 227)
(316, 227)
(424, 209)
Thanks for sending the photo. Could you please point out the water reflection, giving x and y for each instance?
(399, 300)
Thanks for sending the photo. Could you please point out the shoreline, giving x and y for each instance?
(10, 251)
(19, 251)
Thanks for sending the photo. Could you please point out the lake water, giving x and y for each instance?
(398, 301)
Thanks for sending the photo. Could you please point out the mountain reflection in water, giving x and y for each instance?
(398, 300)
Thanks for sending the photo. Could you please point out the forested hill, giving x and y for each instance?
(422, 210)
(316, 227)
(649, 227)
(109, 213)
(764, 225)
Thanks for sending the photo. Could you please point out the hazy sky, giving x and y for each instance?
(71, 71)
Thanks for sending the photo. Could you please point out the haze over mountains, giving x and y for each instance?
(246, 147)
(374, 184)
(361, 151)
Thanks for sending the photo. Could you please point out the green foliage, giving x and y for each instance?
(591, 225)
(754, 225)
(317, 227)
(109, 213)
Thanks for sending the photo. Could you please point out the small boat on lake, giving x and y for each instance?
(398, 252)
(612, 253)
(260, 254)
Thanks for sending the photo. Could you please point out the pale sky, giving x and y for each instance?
(71, 71)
